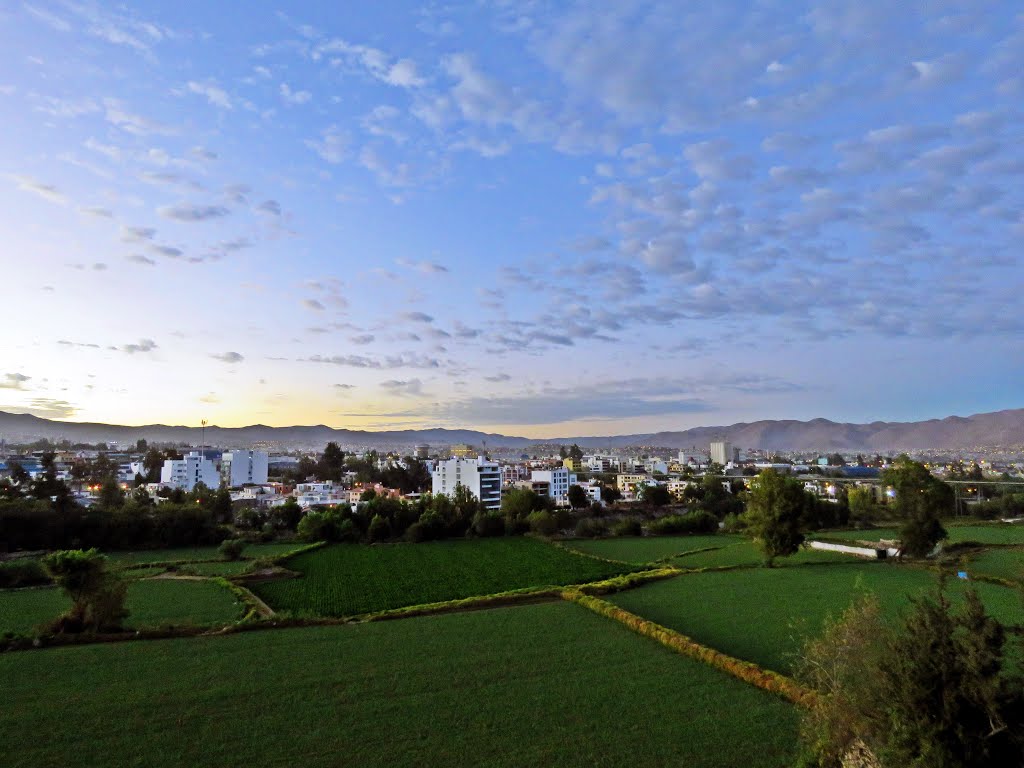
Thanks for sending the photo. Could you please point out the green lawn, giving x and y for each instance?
(763, 614)
(744, 552)
(539, 685)
(348, 579)
(647, 549)
(151, 603)
(196, 554)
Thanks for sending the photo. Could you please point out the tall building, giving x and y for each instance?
(188, 472)
(422, 452)
(724, 453)
(239, 468)
(558, 481)
(480, 476)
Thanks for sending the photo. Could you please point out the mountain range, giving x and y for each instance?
(989, 430)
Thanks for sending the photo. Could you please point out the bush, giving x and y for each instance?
(97, 596)
(733, 523)
(691, 522)
(589, 528)
(22, 573)
(542, 522)
(379, 529)
(627, 526)
(231, 549)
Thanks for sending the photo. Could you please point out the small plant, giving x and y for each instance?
(23, 572)
(231, 549)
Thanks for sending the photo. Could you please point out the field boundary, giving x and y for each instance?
(746, 671)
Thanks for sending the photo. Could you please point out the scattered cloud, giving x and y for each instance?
(192, 212)
(45, 408)
(14, 381)
(142, 345)
(228, 357)
(212, 92)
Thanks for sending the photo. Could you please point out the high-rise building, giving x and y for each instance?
(188, 472)
(721, 452)
(480, 476)
(239, 468)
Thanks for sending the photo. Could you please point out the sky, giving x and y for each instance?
(538, 218)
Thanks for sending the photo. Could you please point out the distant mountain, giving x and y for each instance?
(1002, 428)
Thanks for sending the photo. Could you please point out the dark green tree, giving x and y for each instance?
(921, 499)
(775, 505)
(97, 595)
(578, 497)
(656, 495)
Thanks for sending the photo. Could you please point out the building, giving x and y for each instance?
(238, 468)
(722, 452)
(463, 451)
(422, 452)
(573, 465)
(558, 481)
(481, 477)
(188, 472)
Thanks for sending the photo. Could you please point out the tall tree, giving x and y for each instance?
(920, 499)
(775, 505)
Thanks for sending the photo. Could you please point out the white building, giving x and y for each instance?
(480, 476)
(188, 472)
(558, 481)
(722, 452)
(238, 468)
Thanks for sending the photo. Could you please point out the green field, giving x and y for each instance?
(991, 533)
(348, 579)
(1004, 563)
(215, 568)
(198, 554)
(763, 614)
(539, 685)
(745, 552)
(647, 549)
(151, 603)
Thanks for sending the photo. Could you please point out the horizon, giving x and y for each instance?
(538, 220)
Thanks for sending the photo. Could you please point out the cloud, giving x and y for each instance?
(361, 340)
(294, 98)
(228, 357)
(333, 145)
(418, 317)
(138, 258)
(137, 234)
(344, 387)
(426, 267)
(45, 408)
(52, 20)
(212, 92)
(408, 360)
(399, 388)
(143, 345)
(270, 206)
(210, 398)
(498, 377)
(45, 191)
(14, 381)
(313, 304)
(192, 212)
(118, 115)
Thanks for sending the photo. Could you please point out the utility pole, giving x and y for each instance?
(202, 447)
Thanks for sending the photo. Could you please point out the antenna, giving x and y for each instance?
(202, 447)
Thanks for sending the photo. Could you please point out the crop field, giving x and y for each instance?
(991, 533)
(347, 579)
(1003, 563)
(745, 552)
(647, 549)
(198, 554)
(151, 603)
(541, 685)
(764, 614)
(215, 568)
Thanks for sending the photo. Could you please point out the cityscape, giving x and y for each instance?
(512, 383)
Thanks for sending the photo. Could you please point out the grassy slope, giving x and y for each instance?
(347, 579)
(540, 685)
(649, 548)
(151, 603)
(762, 614)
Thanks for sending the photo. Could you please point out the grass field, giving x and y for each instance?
(151, 603)
(763, 614)
(744, 552)
(348, 579)
(992, 533)
(1002, 563)
(647, 549)
(215, 568)
(196, 554)
(540, 685)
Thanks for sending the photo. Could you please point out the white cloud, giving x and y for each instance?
(294, 98)
(333, 145)
(212, 92)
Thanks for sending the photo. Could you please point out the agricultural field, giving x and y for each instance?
(764, 614)
(348, 579)
(648, 549)
(745, 553)
(537, 685)
(1003, 563)
(198, 554)
(983, 533)
(151, 603)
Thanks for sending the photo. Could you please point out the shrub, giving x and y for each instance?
(691, 522)
(487, 524)
(589, 527)
(231, 549)
(733, 523)
(542, 522)
(379, 529)
(97, 596)
(627, 526)
(23, 572)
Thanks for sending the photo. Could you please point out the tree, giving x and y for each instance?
(862, 504)
(111, 495)
(575, 453)
(775, 505)
(610, 494)
(578, 497)
(655, 495)
(931, 692)
(97, 595)
(920, 500)
(141, 445)
(520, 502)
(332, 463)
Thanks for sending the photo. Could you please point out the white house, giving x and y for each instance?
(188, 472)
(480, 476)
(558, 481)
(238, 468)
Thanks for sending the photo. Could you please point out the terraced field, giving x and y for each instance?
(348, 579)
(647, 549)
(539, 685)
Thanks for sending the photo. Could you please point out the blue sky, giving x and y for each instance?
(539, 218)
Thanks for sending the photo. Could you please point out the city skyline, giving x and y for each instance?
(528, 218)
